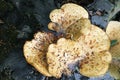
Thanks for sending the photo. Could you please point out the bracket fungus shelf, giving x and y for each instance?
(87, 47)
(113, 31)
(68, 14)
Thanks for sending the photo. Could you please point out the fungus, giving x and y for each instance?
(97, 53)
(63, 56)
(113, 31)
(81, 26)
(68, 14)
(87, 47)
(35, 51)
(90, 51)
(95, 65)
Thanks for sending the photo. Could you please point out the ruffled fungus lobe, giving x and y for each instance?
(113, 31)
(63, 57)
(35, 51)
(68, 14)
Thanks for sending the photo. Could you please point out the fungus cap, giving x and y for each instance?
(90, 51)
(96, 47)
(67, 15)
(94, 39)
(63, 57)
(35, 51)
(113, 31)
